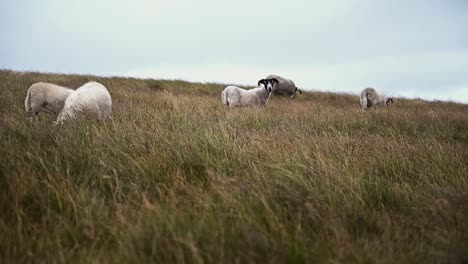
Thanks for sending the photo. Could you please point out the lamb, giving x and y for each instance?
(285, 86)
(91, 98)
(234, 96)
(45, 97)
(371, 97)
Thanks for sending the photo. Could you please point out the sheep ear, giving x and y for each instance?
(260, 82)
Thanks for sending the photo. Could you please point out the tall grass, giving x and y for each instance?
(174, 177)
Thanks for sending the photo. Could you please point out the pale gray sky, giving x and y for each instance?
(405, 48)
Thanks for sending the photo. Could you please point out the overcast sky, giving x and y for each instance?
(405, 48)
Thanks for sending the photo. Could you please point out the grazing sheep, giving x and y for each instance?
(285, 86)
(371, 97)
(45, 97)
(91, 98)
(235, 96)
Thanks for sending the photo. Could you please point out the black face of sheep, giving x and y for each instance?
(389, 101)
(268, 83)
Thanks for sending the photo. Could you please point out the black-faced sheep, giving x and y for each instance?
(284, 86)
(371, 97)
(234, 96)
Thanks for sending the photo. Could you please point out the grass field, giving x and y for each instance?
(174, 177)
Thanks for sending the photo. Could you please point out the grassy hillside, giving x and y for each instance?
(175, 177)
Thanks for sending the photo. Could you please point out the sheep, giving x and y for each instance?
(371, 97)
(234, 96)
(45, 97)
(91, 98)
(285, 86)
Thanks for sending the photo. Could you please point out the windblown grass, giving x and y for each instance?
(174, 177)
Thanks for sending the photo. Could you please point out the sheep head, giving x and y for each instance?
(268, 83)
(389, 101)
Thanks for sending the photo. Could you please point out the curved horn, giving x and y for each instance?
(275, 80)
(261, 81)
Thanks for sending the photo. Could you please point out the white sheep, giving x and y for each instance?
(91, 98)
(45, 97)
(284, 86)
(371, 97)
(235, 96)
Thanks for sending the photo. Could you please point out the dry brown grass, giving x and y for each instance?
(176, 177)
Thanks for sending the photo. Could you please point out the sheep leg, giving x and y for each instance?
(99, 115)
(34, 116)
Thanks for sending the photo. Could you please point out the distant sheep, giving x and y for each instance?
(92, 98)
(284, 86)
(234, 96)
(371, 97)
(45, 97)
